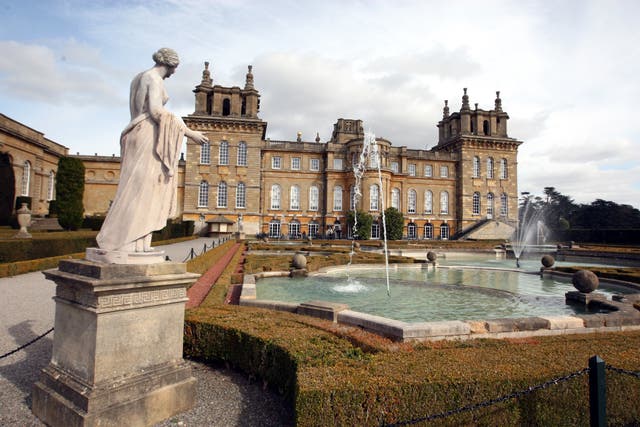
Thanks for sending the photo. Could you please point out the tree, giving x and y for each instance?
(69, 192)
(363, 228)
(394, 221)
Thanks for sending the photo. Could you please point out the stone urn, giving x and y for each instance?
(431, 256)
(585, 281)
(299, 261)
(24, 220)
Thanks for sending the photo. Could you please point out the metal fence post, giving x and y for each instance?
(597, 392)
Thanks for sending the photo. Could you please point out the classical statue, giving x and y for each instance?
(150, 149)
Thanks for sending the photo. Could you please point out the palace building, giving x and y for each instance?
(463, 187)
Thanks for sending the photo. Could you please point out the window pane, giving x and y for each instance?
(242, 153)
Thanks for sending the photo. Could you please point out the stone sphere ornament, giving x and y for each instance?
(547, 261)
(585, 281)
(299, 261)
(431, 256)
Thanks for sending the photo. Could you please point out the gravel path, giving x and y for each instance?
(225, 397)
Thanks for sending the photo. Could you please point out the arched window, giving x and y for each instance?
(476, 167)
(337, 198)
(274, 229)
(428, 231)
(226, 107)
(203, 194)
(222, 194)
(476, 204)
(276, 195)
(504, 205)
(473, 125)
(26, 178)
(314, 196)
(395, 198)
(242, 153)
(241, 196)
(444, 231)
(485, 127)
(374, 197)
(428, 202)
(294, 229)
(444, 203)
(223, 158)
(51, 186)
(503, 169)
(490, 167)
(490, 205)
(412, 201)
(294, 198)
(412, 231)
(205, 154)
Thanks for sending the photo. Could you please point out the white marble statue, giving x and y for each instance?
(150, 149)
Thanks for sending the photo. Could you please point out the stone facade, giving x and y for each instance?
(32, 161)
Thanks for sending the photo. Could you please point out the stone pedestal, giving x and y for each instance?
(117, 350)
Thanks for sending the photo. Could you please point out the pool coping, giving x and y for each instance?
(623, 317)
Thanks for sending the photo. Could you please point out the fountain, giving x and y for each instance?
(530, 231)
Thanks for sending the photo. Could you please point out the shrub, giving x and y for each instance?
(363, 230)
(395, 223)
(69, 192)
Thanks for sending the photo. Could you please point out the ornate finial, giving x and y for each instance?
(476, 104)
(498, 101)
(299, 139)
(206, 75)
(465, 100)
(249, 82)
(317, 136)
(445, 110)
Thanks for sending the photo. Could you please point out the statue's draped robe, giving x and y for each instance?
(147, 191)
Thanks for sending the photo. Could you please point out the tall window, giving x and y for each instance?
(428, 231)
(276, 162)
(51, 185)
(490, 167)
(395, 198)
(504, 205)
(241, 196)
(490, 205)
(428, 202)
(395, 167)
(412, 201)
(242, 153)
(223, 154)
(444, 231)
(26, 178)
(412, 231)
(314, 229)
(337, 198)
(374, 197)
(428, 171)
(444, 171)
(375, 230)
(205, 154)
(294, 198)
(222, 194)
(314, 196)
(314, 164)
(295, 163)
(274, 228)
(412, 169)
(203, 195)
(444, 203)
(275, 196)
(476, 167)
(476, 203)
(503, 169)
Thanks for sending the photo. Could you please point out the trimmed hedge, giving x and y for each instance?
(331, 381)
(57, 244)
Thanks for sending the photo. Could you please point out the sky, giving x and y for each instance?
(567, 73)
